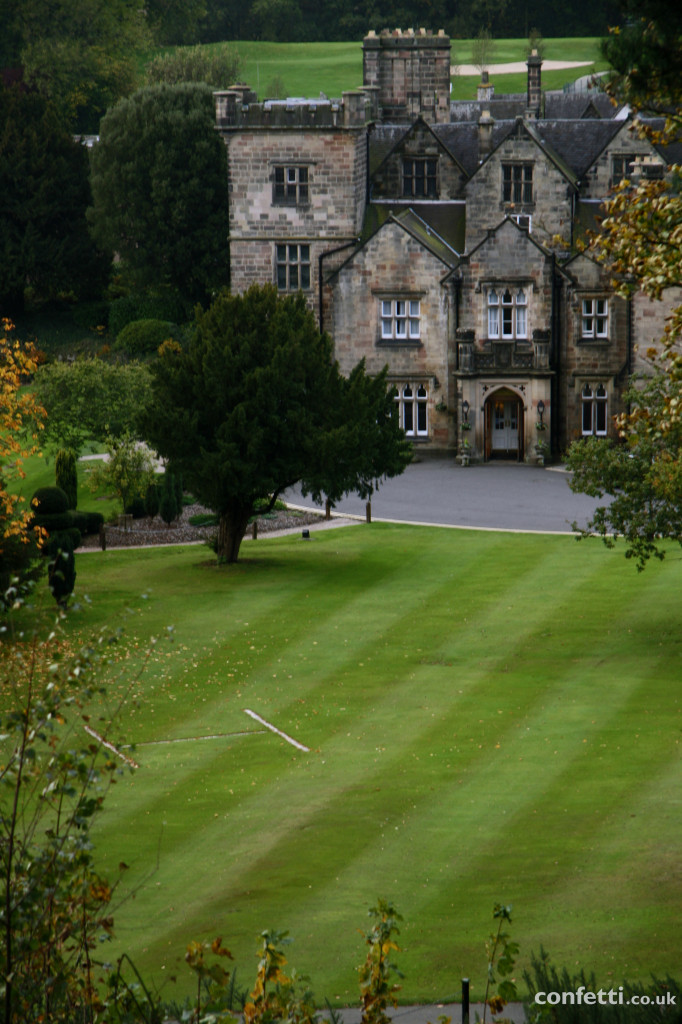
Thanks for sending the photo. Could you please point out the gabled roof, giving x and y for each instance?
(509, 106)
(507, 221)
(532, 130)
(383, 144)
(445, 220)
(378, 216)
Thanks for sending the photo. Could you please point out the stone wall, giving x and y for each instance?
(394, 265)
(551, 208)
(411, 72)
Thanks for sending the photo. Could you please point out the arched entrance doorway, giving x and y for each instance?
(504, 425)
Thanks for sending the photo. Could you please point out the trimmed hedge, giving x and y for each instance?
(143, 337)
(49, 501)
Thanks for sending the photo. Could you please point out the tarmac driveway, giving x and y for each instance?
(490, 496)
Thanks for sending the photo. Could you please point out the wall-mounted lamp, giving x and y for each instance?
(436, 384)
(541, 410)
(465, 411)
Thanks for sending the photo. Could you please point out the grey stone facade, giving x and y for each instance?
(442, 238)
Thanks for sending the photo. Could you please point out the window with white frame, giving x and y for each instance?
(595, 318)
(293, 267)
(524, 220)
(507, 313)
(412, 401)
(290, 186)
(517, 183)
(400, 319)
(594, 410)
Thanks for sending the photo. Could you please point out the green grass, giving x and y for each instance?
(332, 68)
(490, 718)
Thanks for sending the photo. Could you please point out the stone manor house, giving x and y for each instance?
(441, 238)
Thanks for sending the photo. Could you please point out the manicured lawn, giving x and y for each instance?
(307, 69)
(490, 718)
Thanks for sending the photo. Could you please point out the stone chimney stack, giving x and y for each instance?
(485, 88)
(534, 92)
(486, 124)
(411, 71)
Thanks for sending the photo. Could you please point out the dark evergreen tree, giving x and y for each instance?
(66, 475)
(168, 503)
(159, 184)
(44, 195)
(257, 404)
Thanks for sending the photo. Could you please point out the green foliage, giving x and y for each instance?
(212, 980)
(61, 567)
(616, 1005)
(164, 304)
(168, 502)
(142, 337)
(377, 991)
(646, 54)
(53, 775)
(174, 23)
(77, 53)
(49, 501)
(159, 188)
(277, 996)
(66, 475)
(501, 953)
(128, 468)
(44, 182)
(641, 474)
(90, 399)
(151, 500)
(216, 66)
(258, 361)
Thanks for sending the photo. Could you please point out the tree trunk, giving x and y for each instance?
(231, 529)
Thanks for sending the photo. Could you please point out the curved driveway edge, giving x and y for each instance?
(490, 496)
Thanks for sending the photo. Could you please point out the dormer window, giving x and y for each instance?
(517, 183)
(420, 178)
(507, 313)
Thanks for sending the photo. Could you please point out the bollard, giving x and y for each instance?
(465, 1001)
(254, 530)
(368, 511)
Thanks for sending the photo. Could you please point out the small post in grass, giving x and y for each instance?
(465, 1001)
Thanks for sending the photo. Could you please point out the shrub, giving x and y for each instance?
(66, 476)
(166, 305)
(68, 537)
(151, 500)
(136, 508)
(61, 568)
(216, 66)
(142, 337)
(168, 504)
(49, 501)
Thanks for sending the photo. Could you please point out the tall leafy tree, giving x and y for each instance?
(80, 54)
(90, 400)
(640, 242)
(159, 187)
(256, 404)
(44, 195)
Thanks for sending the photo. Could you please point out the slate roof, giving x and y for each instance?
(508, 106)
(439, 226)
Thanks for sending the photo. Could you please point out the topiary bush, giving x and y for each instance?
(151, 501)
(48, 501)
(143, 337)
(66, 476)
(61, 568)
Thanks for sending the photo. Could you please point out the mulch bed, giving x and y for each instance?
(149, 532)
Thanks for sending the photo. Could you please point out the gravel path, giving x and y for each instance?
(148, 532)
